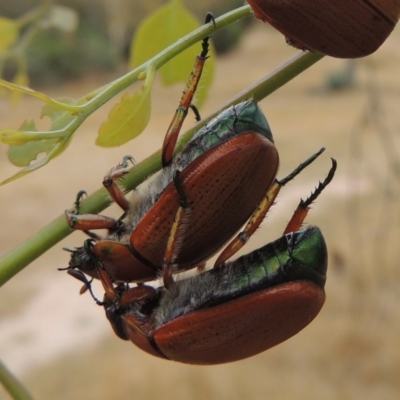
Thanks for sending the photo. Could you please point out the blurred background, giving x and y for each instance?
(61, 345)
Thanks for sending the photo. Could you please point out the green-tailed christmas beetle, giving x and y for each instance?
(225, 171)
(189, 210)
(232, 312)
(337, 28)
(224, 177)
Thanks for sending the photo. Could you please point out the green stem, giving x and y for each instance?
(263, 87)
(57, 230)
(92, 101)
(15, 388)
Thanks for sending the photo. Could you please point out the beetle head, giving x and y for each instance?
(82, 258)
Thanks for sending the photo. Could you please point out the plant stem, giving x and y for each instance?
(15, 388)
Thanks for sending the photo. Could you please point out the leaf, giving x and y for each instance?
(55, 150)
(35, 154)
(127, 119)
(8, 33)
(24, 151)
(164, 27)
(22, 155)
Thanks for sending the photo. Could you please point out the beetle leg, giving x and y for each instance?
(76, 211)
(167, 270)
(112, 188)
(138, 293)
(85, 222)
(302, 209)
(172, 239)
(196, 112)
(78, 200)
(186, 101)
(123, 294)
(259, 214)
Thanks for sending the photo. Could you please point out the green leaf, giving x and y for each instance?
(32, 149)
(8, 33)
(164, 27)
(127, 119)
(35, 154)
(23, 155)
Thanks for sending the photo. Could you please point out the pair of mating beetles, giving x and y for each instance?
(223, 179)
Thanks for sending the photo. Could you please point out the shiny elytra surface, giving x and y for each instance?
(223, 188)
(240, 328)
(341, 28)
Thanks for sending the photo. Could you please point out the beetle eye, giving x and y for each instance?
(86, 262)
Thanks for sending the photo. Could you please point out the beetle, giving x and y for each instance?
(190, 210)
(225, 171)
(224, 177)
(340, 28)
(232, 312)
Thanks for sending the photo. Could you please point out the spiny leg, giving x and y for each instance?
(302, 209)
(259, 214)
(85, 222)
(169, 146)
(186, 101)
(172, 239)
(112, 188)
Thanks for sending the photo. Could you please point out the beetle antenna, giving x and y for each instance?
(87, 284)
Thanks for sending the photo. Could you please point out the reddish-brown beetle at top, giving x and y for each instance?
(337, 28)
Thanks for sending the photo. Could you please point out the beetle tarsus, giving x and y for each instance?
(259, 214)
(210, 18)
(121, 169)
(175, 126)
(300, 168)
(110, 185)
(78, 200)
(196, 112)
(321, 186)
(302, 209)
